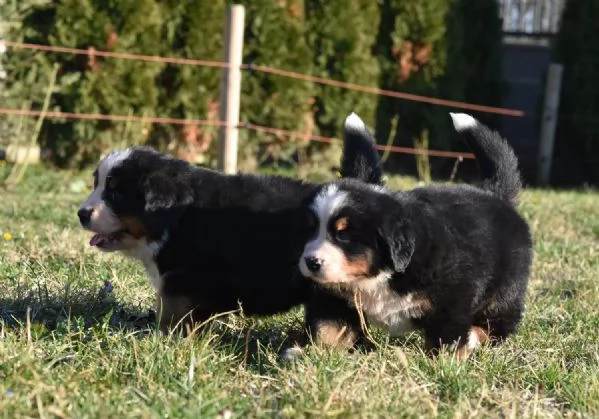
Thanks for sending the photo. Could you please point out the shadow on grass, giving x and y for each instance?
(257, 342)
(88, 310)
(248, 339)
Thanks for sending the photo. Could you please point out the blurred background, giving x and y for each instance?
(81, 77)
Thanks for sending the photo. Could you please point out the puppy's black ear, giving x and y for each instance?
(166, 196)
(400, 242)
(360, 157)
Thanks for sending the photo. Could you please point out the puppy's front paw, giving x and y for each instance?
(292, 353)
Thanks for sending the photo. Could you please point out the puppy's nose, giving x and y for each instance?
(313, 263)
(85, 215)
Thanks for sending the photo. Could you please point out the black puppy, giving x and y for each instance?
(452, 261)
(209, 242)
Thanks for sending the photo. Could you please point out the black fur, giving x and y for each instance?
(466, 249)
(360, 159)
(226, 241)
(496, 160)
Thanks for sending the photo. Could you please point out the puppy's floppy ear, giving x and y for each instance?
(399, 239)
(166, 196)
(360, 157)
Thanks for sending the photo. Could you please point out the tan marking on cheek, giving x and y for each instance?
(341, 224)
(359, 266)
(135, 227)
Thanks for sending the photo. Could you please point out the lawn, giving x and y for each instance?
(77, 338)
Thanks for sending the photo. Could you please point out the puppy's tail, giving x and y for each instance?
(496, 159)
(360, 157)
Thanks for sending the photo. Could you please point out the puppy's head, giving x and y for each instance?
(359, 235)
(138, 194)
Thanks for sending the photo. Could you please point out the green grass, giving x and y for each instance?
(70, 349)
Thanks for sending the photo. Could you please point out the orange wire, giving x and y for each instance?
(275, 71)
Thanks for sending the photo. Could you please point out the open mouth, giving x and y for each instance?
(111, 241)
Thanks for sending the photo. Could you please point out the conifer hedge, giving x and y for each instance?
(424, 47)
(576, 157)
(441, 48)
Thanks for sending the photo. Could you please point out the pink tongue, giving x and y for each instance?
(97, 239)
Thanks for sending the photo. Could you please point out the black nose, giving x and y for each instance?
(313, 263)
(84, 215)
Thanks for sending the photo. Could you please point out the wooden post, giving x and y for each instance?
(231, 89)
(549, 122)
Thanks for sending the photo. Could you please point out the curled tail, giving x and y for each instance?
(360, 157)
(496, 159)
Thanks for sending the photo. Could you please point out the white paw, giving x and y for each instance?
(291, 353)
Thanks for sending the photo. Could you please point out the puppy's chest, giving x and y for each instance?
(385, 308)
(146, 254)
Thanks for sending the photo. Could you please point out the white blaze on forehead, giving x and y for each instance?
(327, 202)
(104, 168)
(109, 162)
(325, 205)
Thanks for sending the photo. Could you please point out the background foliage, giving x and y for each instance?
(429, 47)
(577, 139)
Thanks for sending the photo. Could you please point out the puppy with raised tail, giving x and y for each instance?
(451, 261)
(209, 242)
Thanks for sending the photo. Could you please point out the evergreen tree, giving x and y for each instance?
(472, 73)
(576, 158)
(24, 75)
(341, 35)
(413, 50)
(92, 84)
(275, 37)
(446, 49)
(479, 61)
(192, 29)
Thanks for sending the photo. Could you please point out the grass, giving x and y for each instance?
(71, 348)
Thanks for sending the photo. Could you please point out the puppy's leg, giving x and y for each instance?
(178, 313)
(477, 336)
(332, 322)
(176, 307)
(501, 323)
(454, 332)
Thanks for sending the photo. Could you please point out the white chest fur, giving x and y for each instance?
(146, 252)
(385, 308)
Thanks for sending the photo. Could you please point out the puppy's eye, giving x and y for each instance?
(341, 227)
(342, 235)
(112, 183)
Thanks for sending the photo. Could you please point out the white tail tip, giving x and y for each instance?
(354, 122)
(462, 121)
